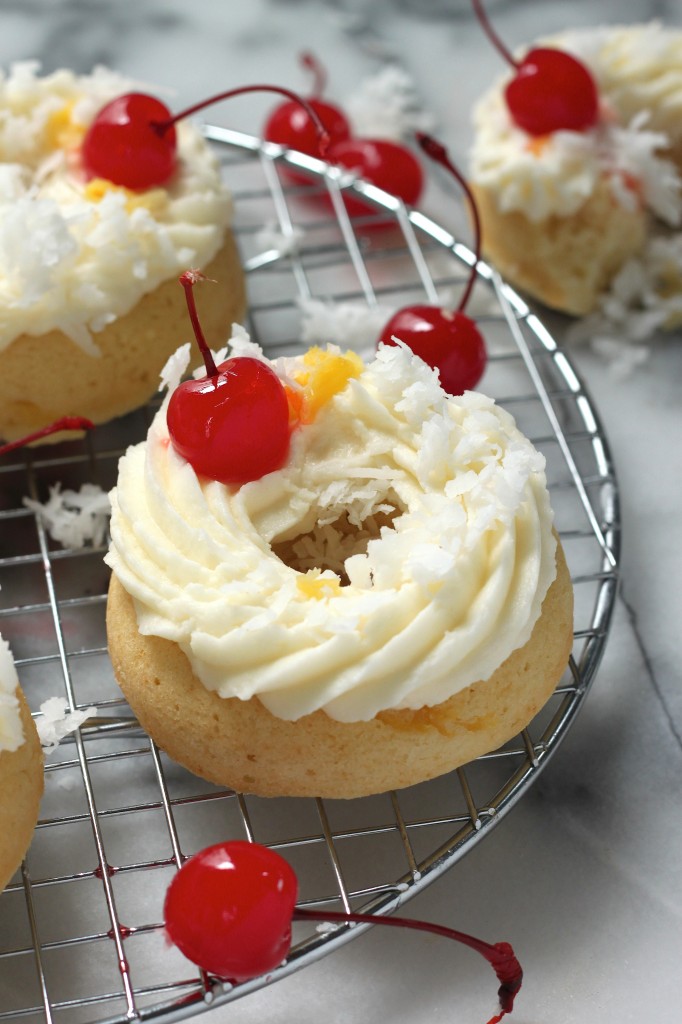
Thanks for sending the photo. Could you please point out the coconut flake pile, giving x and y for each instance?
(644, 298)
(347, 324)
(386, 106)
(74, 518)
(57, 722)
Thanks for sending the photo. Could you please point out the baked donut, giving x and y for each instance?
(90, 309)
(562, 213)
(388, 605)
(21, 769)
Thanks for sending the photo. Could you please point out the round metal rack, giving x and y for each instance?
(81, 935)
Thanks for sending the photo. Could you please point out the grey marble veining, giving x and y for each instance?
(584, 877)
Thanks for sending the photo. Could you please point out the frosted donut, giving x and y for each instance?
(90, 308)
(389, 604)
(21, 769)
(562, 213)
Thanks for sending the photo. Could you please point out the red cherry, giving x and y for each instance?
(65, 423)
(127, 144)
(449, 342)
(132, 142)
(233, 424)
(290, 125)
(551, 90)
(386, 164)
(229, 909)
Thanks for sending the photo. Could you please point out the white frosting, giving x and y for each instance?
(71, 263)
(434, 604)
(11, 731)
(557, 173)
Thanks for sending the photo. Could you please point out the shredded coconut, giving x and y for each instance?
(348, 324)
(11, 731)
(644, 298)
(284, 242)
(386, 106)
(58, 722)
(74, 518)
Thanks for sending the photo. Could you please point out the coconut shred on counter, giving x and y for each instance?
(401, 553)
(75, 254)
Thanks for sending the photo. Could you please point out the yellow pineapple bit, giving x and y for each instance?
(312, 584)
(154, 199)
(323, 376)
(60, 131)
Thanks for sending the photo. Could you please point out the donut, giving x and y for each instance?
(562, 213)
(389, 604)
(90, 309)
(21, 769)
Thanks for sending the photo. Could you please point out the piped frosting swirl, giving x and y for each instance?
(402, 553)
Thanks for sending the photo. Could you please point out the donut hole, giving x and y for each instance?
(327, 544)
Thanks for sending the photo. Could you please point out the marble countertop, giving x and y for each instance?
(584, 877)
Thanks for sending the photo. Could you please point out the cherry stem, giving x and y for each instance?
(65, 423)
(500, 956)
(492, 34)
(439, 153)
(188, 279)
(311, 63)
(323, 139)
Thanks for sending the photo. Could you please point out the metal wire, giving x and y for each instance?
(81, 936)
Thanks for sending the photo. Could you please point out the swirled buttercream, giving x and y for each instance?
(402, 553)
(639, 78)
(76, 254)
(11, 731)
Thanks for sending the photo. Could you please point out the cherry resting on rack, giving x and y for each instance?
(230, 907)
(132, 140)
(385, 163)
(65, 423)
(233, 424)
(290, 125)
(450, 342)
(551, 90)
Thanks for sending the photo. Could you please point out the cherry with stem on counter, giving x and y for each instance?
(230, 908)
(132, 140)
(65, 423)
(550, 91)
(231, 425)
(450, 342)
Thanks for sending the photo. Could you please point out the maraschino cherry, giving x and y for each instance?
(229, 909)
(132, 140)
(65, 423)
(551, 90)
(450, 342)
(387, 164)
(233, 424)
(290, 125)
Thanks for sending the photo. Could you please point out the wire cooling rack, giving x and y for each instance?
(81, 937)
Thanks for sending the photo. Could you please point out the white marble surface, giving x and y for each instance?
(585, 876)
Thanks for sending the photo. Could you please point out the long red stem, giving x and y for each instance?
(492, 34)
(438, 152)
(500, 956)
(188, 279)
(323, 139)
(65, 423)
